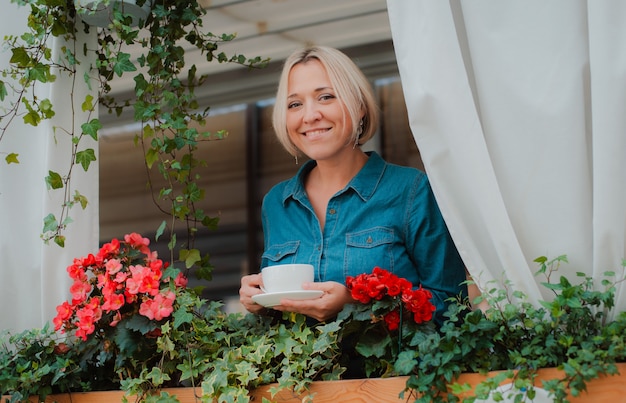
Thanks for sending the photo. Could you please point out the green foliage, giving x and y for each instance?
(164, 102)
(225, 355)
(32, 64)
(569, 332)
(35, 363)
(370, 349)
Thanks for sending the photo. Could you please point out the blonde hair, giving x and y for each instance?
(351, 88)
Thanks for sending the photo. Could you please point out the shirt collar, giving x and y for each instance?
(364, 183)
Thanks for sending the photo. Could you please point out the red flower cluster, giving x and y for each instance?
(123, 278)
(382, 283)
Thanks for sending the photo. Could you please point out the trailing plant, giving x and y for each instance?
(569, 332)
(37, 362)
(163, 101)
(224, 355)
(132, 324)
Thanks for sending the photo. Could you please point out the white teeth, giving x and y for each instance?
(313, 133)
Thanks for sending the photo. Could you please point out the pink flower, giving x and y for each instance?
(116, 319)
(156, 265)
(64, 313)
(113, 266)
(87, 317)
(79, 291)
(76, 272)
(113, 302)
(109, 249)
(120, 277)
(143, 280)
(138, 242)
(90, 260)
(102, 281)
(160, 307)
(181, 281)
(123, 276)
(133, 283)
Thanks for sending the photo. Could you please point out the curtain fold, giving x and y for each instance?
(515, 107)
(33, 275)
(607, 50)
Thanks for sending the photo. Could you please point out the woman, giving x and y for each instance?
(346, 211)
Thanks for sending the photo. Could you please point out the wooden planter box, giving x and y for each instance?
(387, 390)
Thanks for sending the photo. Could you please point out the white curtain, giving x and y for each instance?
(33, 279)
(518, 109)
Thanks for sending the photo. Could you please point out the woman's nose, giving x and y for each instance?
(311, 113)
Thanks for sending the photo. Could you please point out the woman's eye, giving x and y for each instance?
(326, 97)
(292, 105)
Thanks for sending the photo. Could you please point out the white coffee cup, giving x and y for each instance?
(286, 277)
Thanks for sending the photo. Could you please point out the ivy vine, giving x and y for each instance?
(163, 102)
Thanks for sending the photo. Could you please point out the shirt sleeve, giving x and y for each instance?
(437, 261)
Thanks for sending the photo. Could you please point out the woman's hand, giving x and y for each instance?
(326, 307)
(251, 285)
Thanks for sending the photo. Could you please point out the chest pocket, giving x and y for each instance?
(369, 248)
(284, 253)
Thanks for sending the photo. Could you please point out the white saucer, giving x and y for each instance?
(273, 298)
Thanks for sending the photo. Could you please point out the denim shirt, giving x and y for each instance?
(386, 216)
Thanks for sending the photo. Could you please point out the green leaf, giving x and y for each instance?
(54, 180)
(180, 317)
(190, 257)
(160, 230)
(373, 344)
(91, 128)
(140, 323)
(12, 158)
(152, 156)
(86, 157)
(157, 376)
(46, 109)
(32, 118)
(88, 103)
(123, 64)
(59, 240)
(405, 363)
(50, 223)
(41, 73)
(20, 57)
(82, 200)
(3, 91)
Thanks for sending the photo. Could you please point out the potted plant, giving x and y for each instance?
(131, 324)
(559, 350)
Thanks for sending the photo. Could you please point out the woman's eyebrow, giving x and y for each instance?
(320, 89)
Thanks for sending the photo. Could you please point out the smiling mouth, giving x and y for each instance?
(314, 133)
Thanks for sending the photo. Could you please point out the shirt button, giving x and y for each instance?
(332, 211)
(369, 239)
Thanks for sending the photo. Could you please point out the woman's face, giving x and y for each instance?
(317, 121)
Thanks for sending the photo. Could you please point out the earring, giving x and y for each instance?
(359, 131)
(296, 157)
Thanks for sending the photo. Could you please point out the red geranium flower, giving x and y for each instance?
(381, 284)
